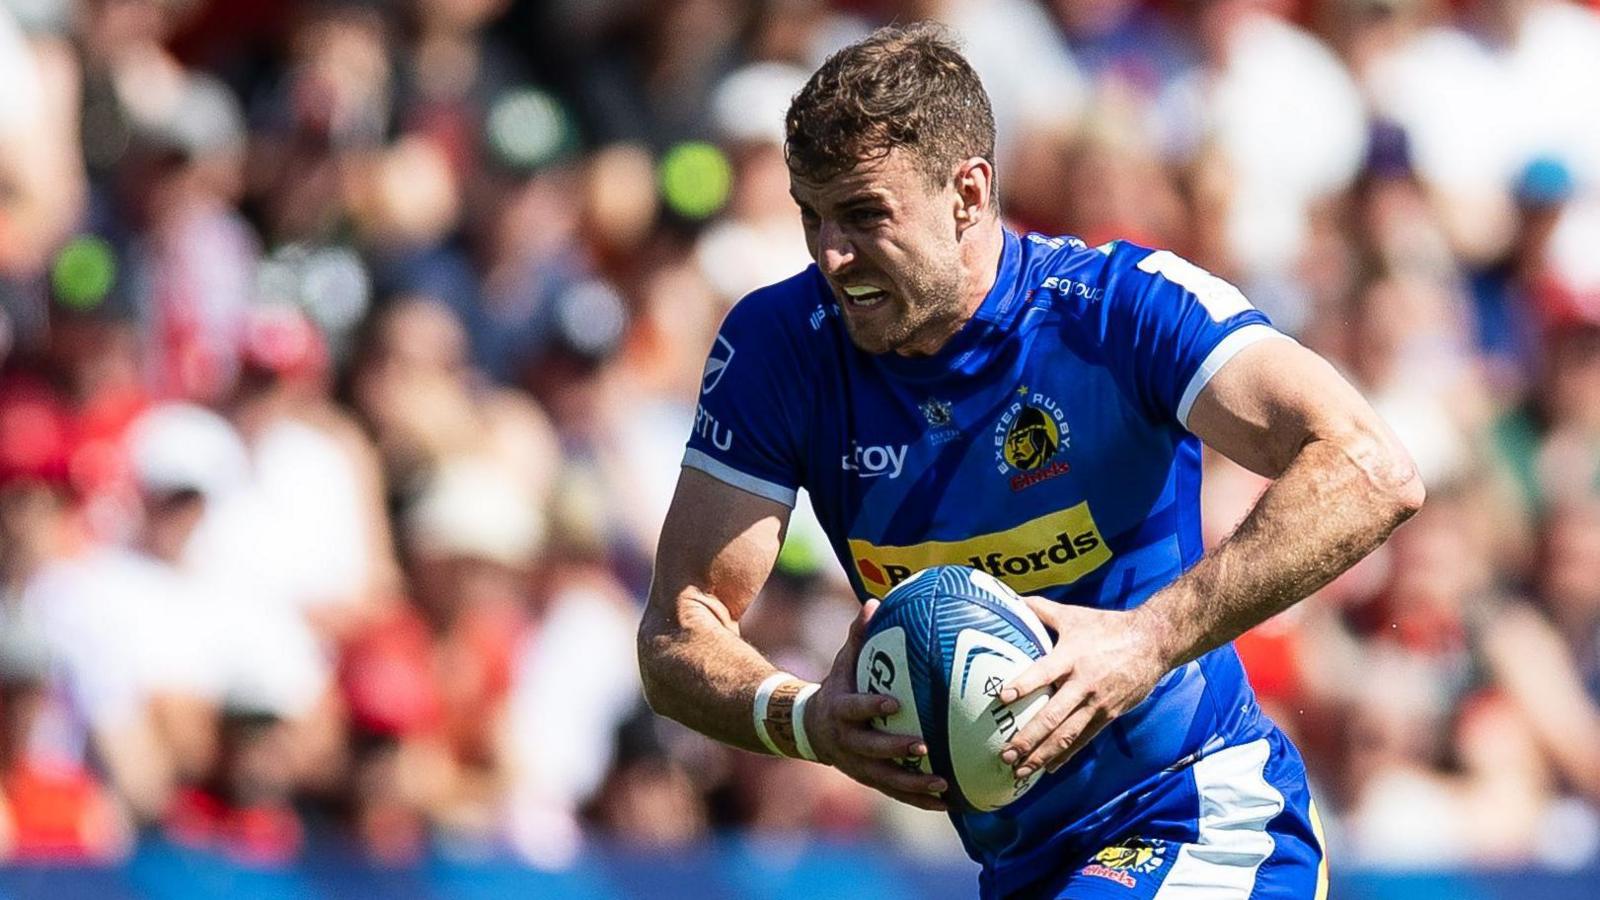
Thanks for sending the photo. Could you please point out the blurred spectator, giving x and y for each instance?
(42, 187)
(1272, 110)
(55, 805)
(1447, 748)
(1034, 85)
(1105, 183)
(414, 386)
(617, 433)
(528, 238)
(308, 531)
(1414, 363)
(759, 241)
(131, 635)
(427, 683)
(452, 73)
(572, 686)
(651, 802)
(331, 103)
(642, 71)
(1124, 46)
(1550, 663)
(1552, 441)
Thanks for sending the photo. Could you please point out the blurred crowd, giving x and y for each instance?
(349, 347)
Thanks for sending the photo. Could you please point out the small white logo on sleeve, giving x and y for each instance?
(1220, 299)
(709, 429)
(1071, 288)
(875, 461)
(716, 364)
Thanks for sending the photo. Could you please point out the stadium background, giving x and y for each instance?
(349, 348)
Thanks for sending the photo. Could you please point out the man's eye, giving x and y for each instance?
(866, 216)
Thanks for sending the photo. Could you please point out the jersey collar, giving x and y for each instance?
(967, 348)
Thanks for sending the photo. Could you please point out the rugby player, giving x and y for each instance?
(948, 391)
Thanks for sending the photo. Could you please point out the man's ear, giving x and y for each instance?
(974, 181)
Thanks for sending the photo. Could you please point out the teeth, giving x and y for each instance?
(864, 295)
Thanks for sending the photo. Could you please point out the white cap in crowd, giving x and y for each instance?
(472, 509)
(179, 446)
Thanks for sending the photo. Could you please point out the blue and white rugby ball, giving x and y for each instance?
(943, 643)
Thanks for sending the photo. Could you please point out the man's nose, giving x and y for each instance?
(834, 251)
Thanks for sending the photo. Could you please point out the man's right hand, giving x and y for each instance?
(839, 725)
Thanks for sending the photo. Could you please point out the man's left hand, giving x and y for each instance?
(1102, 665)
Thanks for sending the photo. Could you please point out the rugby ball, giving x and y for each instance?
(943, 643)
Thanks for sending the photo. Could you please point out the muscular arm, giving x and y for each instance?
(1342, 484)
(717, 548)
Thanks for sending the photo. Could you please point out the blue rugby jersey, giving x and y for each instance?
(1045, 444)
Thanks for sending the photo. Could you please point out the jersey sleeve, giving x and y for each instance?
(745, 425)
(1169, 326)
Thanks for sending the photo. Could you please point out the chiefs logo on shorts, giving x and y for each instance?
(1122, 860)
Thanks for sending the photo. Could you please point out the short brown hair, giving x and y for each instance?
(904, 87)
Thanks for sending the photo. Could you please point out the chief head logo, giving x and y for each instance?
(1032, 439)
(1133, 854)
(716, 364)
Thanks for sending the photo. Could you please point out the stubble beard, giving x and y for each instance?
(931, 304)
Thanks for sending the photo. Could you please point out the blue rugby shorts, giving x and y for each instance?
(1238, 824)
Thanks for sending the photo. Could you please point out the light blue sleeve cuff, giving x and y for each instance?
(727, 474)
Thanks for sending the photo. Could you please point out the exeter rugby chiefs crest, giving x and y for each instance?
(1029, 437)
(1123, 861)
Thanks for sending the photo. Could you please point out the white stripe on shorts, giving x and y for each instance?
(1236, 803)
(727, 474)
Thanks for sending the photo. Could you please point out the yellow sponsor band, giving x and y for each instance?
(1054, 549)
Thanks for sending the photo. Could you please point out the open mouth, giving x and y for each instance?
(864, 296)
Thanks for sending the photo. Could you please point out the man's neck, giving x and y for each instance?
(981, 248)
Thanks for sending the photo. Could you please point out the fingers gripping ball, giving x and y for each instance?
(943, 643)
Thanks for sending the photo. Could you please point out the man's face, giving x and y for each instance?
(1026, 446)
(886, 240)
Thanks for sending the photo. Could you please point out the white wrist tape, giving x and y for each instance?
(763, 698)
(780, 710)
(801, 741)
